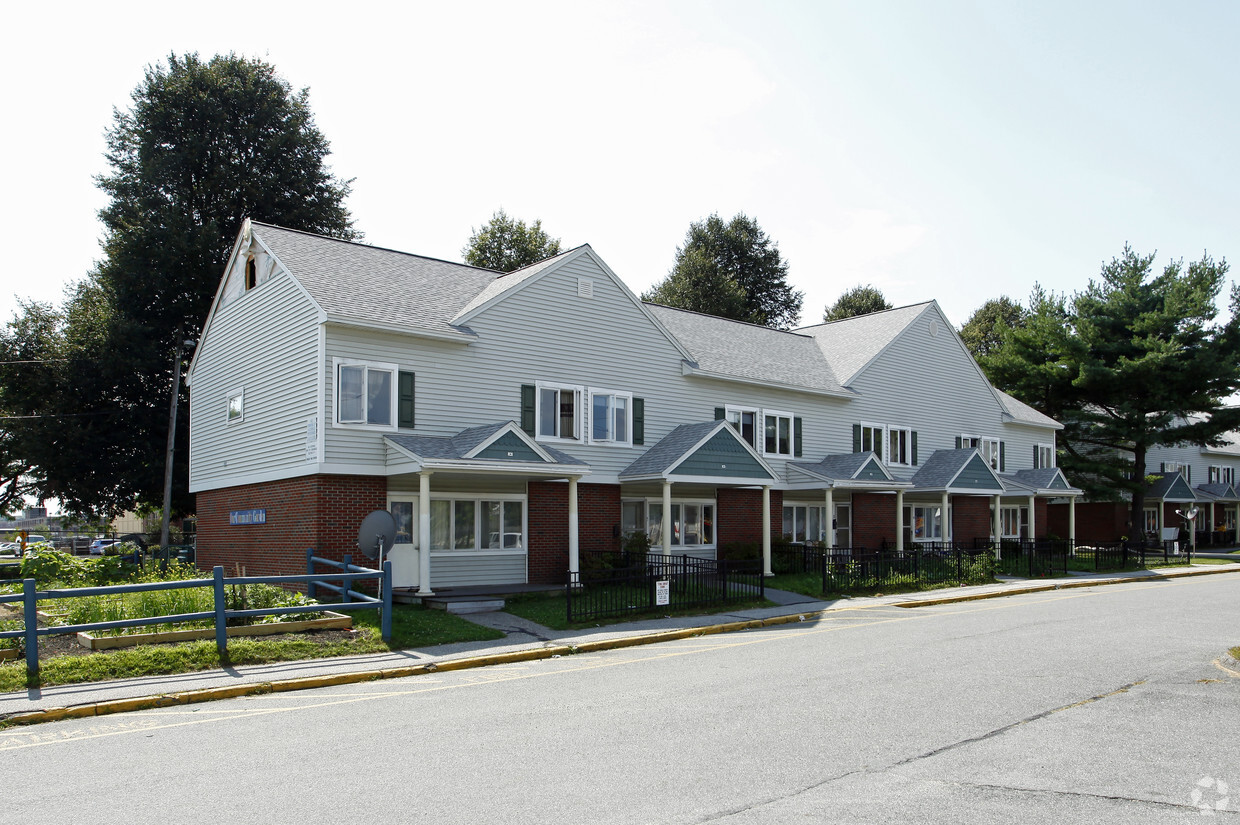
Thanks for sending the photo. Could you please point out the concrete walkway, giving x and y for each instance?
(524, 640)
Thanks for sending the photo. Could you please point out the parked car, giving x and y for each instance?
(100, 546)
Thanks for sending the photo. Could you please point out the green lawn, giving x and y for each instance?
(413, 626)
(551, 610)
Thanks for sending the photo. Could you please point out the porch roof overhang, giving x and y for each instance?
(1047, 481)
(1171, 488)
(496, 449)
(957, 472)
(1216, 492)
(707, 453)
(851, 471)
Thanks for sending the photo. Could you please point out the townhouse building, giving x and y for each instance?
(511, 421)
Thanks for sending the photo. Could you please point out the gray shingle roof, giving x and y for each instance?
(1020, 411)
(670, 448)
(1219, 490)
(510, 281)
(843, 466)
(459, 445)
(941, 467)
(849, 345)
(1169, 484)
(372, 285)
(749, 351)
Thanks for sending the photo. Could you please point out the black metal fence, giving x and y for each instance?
(1058, 557)
(614, 584)
(845, 569)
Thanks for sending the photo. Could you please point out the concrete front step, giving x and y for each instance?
(465, 604)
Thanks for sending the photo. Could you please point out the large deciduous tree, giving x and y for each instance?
(983, 332)
(733, 270)
(1135, 361)
(860, 300)
(203, 145)
(506, 244)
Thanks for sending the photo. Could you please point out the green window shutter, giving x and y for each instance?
(720, 413)
(913, 447)
(639, 421)
(856, 438)
(1036, 456)
(796, 437)
(404, 401)
(878, 448)
(959, 443)
(1162, 467)
(1003, 456)
(527, 408)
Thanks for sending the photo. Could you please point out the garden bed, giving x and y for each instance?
(330, 621)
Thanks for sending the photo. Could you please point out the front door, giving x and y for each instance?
(404, 555)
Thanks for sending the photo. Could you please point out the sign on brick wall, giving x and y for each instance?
(247, 517)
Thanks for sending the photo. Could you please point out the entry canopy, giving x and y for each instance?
(494, 448)
(710, 453)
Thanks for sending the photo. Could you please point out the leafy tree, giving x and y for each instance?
(505, 244)
(983, 332)
(733, 270)
(1135, 361)
(860, 300)
(203, 145)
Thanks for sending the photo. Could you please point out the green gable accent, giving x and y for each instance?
(1058, 483)
(976, 475)
(1179, 489)
(722, 456)
(510, 443)
(870, 471)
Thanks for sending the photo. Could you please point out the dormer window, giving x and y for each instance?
(251, 273)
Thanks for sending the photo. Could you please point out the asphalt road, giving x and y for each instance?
(1094, 705)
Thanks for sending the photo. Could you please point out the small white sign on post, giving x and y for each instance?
(662, 593)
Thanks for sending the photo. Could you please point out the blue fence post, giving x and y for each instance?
(221, 619)
(385, 619)
(345, 584)
(31, 617)
(311, 590)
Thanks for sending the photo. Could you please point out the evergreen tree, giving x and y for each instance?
(1135, 361)
(733, 270)
(203, 146)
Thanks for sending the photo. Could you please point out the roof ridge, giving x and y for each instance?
(378, 248)
(866, 315)
(721, 318)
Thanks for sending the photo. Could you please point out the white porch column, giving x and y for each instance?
(900, 522)
(666, 526)
(1211, 521)
(830, 525)
(1072, 521)
(1033, 519)
(996, 524)
(945, 521)
(424, 534)
(1236, 510)
(574, 551)
(766, 531)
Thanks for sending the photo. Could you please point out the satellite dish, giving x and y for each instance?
(377, 534)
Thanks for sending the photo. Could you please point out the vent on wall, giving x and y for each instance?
(585, 288)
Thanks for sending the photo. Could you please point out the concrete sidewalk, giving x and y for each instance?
(523, 641)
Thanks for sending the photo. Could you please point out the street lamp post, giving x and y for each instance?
(172, 435)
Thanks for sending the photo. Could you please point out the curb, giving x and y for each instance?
(192, 697)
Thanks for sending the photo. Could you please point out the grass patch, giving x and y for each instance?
(552, 611)
(412, 626)
(1200, 560)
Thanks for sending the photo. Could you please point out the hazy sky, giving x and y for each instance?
(951, 150)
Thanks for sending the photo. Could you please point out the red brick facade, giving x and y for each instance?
(873, 520)
(971, 520)
(598, 525)
(739, 515)
(322, 512)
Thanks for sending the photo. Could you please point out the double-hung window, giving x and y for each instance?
(1043, 456)
(1222, 475)
(990, 448)
(1012, 521)
(777, 433)
(610, 416)
(872, 439)
(559, 411)
(900, 446)
(744, 422)
(365, 393)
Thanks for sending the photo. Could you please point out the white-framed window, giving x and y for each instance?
(559, 412)
(611, 417)
(693, 522)
(1043, 456)
(1229, 519)
(924, 522)
(236, 406)
(990, 448)
(745, 422)
(805, 522)
(872, 436)
(484, 523)
(1151, 521)
(776, 433)
(365, 393)
(1222, 475)
(1179, 467)
(900, 446)
(1012, 522)
(632, 516)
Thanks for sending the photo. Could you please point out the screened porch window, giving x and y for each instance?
(693, 523)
